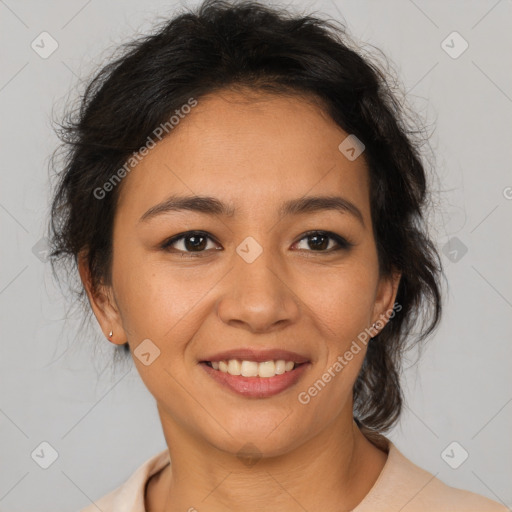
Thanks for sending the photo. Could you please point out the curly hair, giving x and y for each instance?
(221, 45)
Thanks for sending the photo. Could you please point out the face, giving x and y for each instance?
(257, 276)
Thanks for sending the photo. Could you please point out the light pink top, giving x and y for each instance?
(401, 486)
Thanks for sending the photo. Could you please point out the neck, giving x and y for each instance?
(330, 472)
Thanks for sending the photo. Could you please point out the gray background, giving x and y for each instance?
(102, 423)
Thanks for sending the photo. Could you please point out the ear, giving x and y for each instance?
(104, 307)
(385, 299)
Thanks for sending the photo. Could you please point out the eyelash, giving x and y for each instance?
(342, 242)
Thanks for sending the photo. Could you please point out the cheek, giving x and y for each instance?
(154, 307)
(152, 301)
(342, 301)
(342, 304)
(164, 317)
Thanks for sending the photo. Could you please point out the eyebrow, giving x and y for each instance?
(211, 206)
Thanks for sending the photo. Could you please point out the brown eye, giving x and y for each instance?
(319, 241)
(190, 242)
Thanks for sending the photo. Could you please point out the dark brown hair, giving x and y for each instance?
(221, 45)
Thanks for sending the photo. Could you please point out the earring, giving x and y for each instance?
(110, 334)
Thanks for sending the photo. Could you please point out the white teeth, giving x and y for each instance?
(252, 368)
(234, 367)
(280, 367)
(249, 369)
(267, 369)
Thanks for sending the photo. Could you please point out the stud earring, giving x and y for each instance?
(110, 334)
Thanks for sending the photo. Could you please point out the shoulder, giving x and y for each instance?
(436, 495)
(131, 494)
(405, 486)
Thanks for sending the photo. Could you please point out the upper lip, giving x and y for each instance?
(257, 355)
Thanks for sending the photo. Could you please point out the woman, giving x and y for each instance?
(243, 199)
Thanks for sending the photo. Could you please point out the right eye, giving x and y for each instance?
(191, 242)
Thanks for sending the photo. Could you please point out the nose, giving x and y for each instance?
(259, 296)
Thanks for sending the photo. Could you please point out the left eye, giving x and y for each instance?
(320, 240)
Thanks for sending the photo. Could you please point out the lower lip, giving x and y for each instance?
(257, 387)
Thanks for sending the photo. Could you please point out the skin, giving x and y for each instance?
(253, 152)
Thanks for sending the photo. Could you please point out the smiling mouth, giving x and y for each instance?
(266, 369)
(252, 379)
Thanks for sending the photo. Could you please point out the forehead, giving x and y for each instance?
(246, 149)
